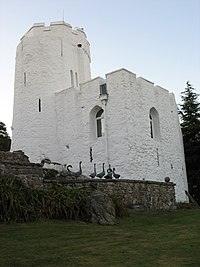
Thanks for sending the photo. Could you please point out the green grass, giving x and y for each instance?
(143, 239)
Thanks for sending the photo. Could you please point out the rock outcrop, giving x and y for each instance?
(101, 208)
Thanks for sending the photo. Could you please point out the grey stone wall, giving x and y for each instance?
(136, 194)
(146, 195)
(17, 164)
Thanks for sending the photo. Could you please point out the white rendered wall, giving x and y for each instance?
(64, 130)
(148, 158)
(46, 57)
(132, 151)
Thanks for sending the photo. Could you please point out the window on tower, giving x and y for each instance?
(97, 123)
(151, 125)
(24, 78)
(76, 77)
(100, 123)
(40, 105)
(154, 124)
(72, 77)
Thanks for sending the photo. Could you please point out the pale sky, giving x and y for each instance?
(156, 39)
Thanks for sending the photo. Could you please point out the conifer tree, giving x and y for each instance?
(5, 140)
(190, 115)
(190, 124)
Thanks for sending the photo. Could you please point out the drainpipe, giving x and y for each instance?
(104, 100)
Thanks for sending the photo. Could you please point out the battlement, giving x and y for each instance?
(57, 23)
(134, 76)
(145, 80)
(40, 27)
(39, 24)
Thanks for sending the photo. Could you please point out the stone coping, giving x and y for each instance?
(84, 181)
(22, 163)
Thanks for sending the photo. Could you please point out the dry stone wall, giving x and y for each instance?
(17, 164)
(136, 194)
(145, 195)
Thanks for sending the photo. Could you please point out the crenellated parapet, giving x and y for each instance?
(61, 29)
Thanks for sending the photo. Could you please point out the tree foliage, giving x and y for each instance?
(5, 140)
(190, 124)
(190, 115)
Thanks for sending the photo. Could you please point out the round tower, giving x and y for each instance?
(49, 59)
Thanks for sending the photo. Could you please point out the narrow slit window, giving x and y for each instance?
(72, 77)
(61, 48)
(151, 125)
(40, 105)
(76, 77)
(24, 78)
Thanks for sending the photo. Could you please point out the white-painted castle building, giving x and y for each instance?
(62, 114)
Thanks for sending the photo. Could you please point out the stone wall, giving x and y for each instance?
(17, 164)
(145, 195)
(136, 194)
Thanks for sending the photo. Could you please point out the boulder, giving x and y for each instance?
(101, 208)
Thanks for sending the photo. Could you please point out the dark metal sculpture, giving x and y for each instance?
(167, 179)
(116, 176)
(45, 160)
(93, 174)
(109, 173)
(101, 174)
(69, 166)
(78, 173)
(65, 173)
(69, 173)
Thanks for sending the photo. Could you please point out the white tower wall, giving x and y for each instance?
(49, 59)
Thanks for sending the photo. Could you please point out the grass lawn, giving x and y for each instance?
(143, 239)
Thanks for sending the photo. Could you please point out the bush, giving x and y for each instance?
(120, 208)
(22, 204)
(19, 203)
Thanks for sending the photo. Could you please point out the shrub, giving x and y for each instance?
(22, 204)
(19, 203)
(120, 208)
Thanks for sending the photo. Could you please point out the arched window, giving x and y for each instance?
(151, 125)
(154, 124)
(100, 123)
(97, 122)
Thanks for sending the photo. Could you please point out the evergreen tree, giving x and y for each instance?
(190, 115)
(190, 124)
(5, 140)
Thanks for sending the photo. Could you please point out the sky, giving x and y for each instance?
(156, 39)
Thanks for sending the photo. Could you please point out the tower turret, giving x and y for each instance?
(49, 59)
